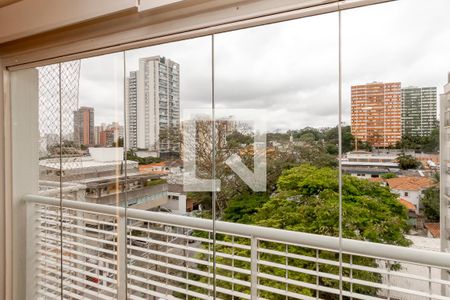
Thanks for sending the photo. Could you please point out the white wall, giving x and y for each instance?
(178, 206)
(106, 154)
(413, 197)
(365, 176)
(25, 149)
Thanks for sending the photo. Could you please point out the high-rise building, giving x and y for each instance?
(418, 110)
(131, 109)
(97, 131)
(376, 113)
(83, 126)
(153, 106)
(108, 134)
(107, 137)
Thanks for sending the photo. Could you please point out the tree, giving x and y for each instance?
(388, 175)
(431, 203)
(433, 141)
(407, 161)
(242, 209)
(315, 155)
(236, 139)
(131, 155)
(307, 200)
(310, 132)
(420, 143)
(331, 136)
(431, 200)
(307, 138)
(228, 138)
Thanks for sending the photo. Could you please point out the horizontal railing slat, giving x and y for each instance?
(355, 247)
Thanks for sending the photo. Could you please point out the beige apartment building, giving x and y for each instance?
(376, 113)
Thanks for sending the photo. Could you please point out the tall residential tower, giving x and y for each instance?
(83, 126)
(376, 113)
(153, 106)
(418, 110)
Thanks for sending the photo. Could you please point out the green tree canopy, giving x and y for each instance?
(428, 143)
(313, 133)
(388, 175)
(331, 136)
(242, 209)
(431, 200)
(407, 161)
(308, 200)
(431, 203)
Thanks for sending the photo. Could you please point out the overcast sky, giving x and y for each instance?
(290, 69)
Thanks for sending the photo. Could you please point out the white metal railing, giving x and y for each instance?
(109, 252)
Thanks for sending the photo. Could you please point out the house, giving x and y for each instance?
(163, 168)
(414, 219)
(363, 164)
(410, 188)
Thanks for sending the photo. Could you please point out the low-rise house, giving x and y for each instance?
(410, 188)
(364, 164)
(107, 179)
(140, 190)
(163, 168)
(414, 219)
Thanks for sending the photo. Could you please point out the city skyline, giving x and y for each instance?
(299, 89)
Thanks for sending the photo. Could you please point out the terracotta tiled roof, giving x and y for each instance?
(149, 169)
(154, 172)
(434, 229)
(410, 183)
(160, 164)
(407, 204)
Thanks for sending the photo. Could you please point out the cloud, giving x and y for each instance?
(291, 68)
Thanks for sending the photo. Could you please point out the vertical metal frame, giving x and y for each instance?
(6, 251)
(5, 186)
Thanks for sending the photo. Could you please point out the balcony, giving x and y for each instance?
(109, 252)
(125, 225)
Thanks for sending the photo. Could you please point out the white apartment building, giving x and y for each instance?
(153, 105)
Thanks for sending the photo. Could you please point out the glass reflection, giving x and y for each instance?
(168, 89)
(268, 84)
(391, 142)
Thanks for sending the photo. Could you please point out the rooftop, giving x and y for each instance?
(79, 163)
(407, 204)
(410, 183)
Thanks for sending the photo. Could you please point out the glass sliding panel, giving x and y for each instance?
(50, 228)
(395, 64)
(93, 172)
(276, 112)
(168, 132)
